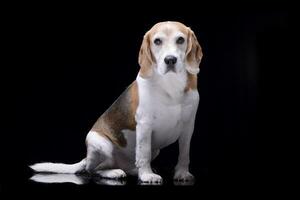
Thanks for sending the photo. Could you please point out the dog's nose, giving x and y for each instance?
(170, 60)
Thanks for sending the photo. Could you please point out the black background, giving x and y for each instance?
(67, 65)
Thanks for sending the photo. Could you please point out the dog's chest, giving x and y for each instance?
(163, 103)
(167, 125)
(168, 110)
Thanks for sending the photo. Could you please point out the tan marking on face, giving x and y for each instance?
(119, 116)
(145, 58)
(168, 27)
(191, 83)
(194, 53)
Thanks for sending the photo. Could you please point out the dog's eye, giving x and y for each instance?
(180, 40)
(157, 41)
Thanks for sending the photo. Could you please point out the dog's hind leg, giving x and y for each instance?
(111, 173)
(100, 159)
(99, 149)
(108, 168)
(92, 160)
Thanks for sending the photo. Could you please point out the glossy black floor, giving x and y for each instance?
(19, 179)
(23, 180)
(236, 180)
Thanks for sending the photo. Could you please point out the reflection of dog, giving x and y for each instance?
(157, 109)
(78, 179)
(60, 178)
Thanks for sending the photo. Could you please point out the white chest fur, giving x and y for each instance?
(167, 125)
(165, 106)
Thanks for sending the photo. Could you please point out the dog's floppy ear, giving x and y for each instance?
(145, 57)
(193, 53)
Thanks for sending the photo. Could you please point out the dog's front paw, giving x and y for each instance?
(112, 173)
(150, 178)
(183, 175)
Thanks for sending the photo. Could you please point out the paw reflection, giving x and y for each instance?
(149, 183)
(184, 183)
(104, 181)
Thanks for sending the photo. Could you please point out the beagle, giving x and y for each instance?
(156, 110)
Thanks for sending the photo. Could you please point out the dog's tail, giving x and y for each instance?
(59, 167)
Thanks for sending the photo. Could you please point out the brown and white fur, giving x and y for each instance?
(156, 110)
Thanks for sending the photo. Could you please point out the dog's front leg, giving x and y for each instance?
(182, 168)
(143, 153)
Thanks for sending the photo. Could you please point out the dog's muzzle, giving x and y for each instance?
(170, 62)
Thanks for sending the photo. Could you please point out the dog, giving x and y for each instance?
(156, 110)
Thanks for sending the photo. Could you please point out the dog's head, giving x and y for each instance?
(169, 47)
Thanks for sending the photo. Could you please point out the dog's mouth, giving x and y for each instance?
(170, 69)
